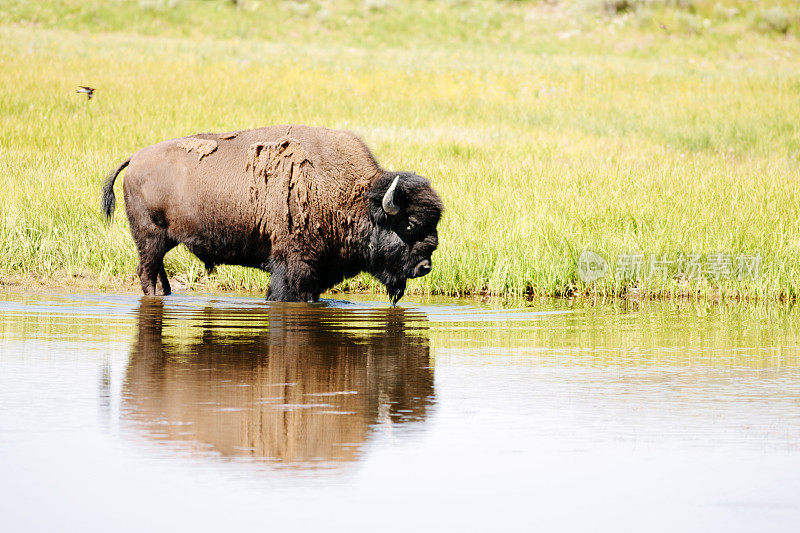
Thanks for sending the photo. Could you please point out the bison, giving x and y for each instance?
(309, 205)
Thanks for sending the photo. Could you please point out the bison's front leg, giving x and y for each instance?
(296, 282)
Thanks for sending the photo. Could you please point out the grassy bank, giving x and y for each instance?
(546, 128)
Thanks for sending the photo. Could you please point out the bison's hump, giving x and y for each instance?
(267, 158)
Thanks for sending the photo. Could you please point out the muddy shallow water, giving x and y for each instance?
(122, 413)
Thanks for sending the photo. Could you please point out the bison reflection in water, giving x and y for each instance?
(291, 383)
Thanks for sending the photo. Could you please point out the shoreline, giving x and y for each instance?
(82, 283)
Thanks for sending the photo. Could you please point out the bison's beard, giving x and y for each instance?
(396, 290)
(387, 256)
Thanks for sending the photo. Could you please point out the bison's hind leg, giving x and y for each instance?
(149, 230)
(163, 281)
(152, 249)
(153, 243)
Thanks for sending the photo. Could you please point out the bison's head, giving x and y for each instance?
(405, 211)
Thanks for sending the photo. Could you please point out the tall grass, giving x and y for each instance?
(595, 131)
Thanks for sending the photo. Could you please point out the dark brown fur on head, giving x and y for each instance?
(401, 244)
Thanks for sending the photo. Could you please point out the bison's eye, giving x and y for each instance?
(412, 227)
(412, 224)
(408, 231)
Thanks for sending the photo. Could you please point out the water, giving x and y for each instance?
(210, 413)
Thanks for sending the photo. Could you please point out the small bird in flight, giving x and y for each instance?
(88, 90)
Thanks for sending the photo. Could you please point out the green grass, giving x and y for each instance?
(546, 128)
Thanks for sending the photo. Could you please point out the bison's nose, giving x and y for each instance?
(422, 268)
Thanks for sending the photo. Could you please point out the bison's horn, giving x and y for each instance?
(388, 199)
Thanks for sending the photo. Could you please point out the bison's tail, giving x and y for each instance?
(109, 200)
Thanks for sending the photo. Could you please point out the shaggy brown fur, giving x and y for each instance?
(300, 202)
(202, 147)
